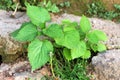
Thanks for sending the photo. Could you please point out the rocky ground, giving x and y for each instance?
(21, 71)
(105, 64)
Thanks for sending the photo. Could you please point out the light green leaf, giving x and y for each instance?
(67, 54)
(87, 54)
(100, 35)
(54, 8)
(27, 32)
(54, 31)
(69, 40)
(70, 26)
(92, 37)
(48, 5)
(37, 15)
(38, 53)
(79, 50)
(96, 35)
(101, 47)
(66, 21)
(94, 47)
(85, 24)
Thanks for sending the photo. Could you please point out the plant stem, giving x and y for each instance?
(15, 9)
(51, 65)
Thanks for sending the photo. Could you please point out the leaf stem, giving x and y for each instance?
(51, 64)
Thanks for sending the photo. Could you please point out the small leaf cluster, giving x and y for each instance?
(65, 4)
(76, 39)
(51, 7)
(97, 9)
(11, 4)
(117, 6)
(6, 4)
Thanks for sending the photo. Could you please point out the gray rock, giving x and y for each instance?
(8, 46)
(4, 67)
(19, 71)
(107, 65)
(27, 75)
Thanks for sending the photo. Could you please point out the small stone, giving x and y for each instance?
(9, 78)
(18, 66)
(4, 67)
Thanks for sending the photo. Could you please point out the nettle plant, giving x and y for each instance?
(76, 40)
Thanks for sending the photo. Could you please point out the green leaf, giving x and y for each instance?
(82, 34)
(70, 26)
(48, 5)
(27, 32)
(70, 39)
(100, 35)
(101, 47)
(67, 54)
(92, 37)
(66, 21)
(96, 35)
(14, 34)
(94, 47)
(37, 15)
(98, 47)
(53, 31)
(54, 8)
(85, 24)
(38, 53)
(79, 50)
(87, 54)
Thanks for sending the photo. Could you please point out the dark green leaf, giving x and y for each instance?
(27, 32)
(14, 34)
(38, 53)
